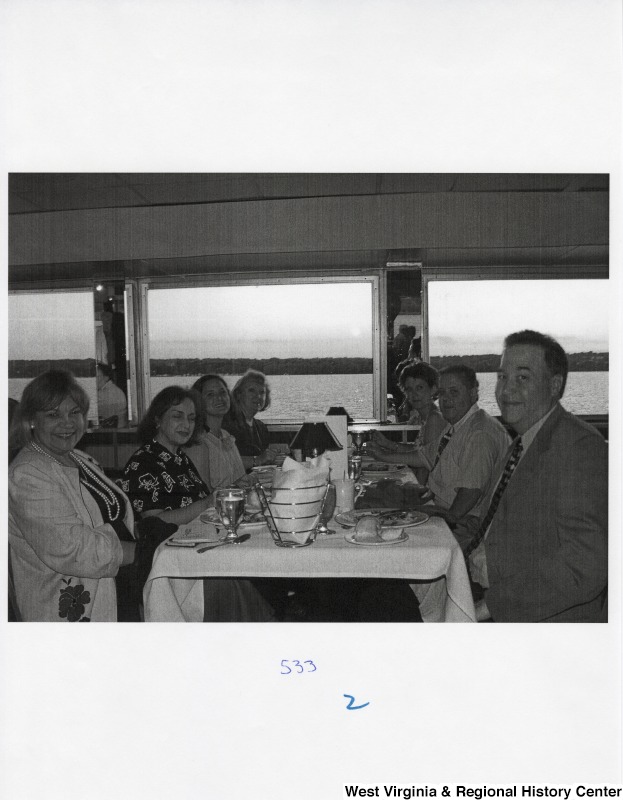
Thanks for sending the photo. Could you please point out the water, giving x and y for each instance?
(297, 396)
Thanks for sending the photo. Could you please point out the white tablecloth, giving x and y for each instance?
(174, 589)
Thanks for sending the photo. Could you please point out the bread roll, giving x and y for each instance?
(368, 530)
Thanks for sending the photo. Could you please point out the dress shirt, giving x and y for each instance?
(469, 459)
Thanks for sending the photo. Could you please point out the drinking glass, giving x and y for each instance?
(229, 504)
(354, 467)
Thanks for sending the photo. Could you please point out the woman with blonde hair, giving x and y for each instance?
(70, 527)
(250, 396)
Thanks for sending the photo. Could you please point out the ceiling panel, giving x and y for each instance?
(32, 192)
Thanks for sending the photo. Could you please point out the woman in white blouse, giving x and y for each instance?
(216, 456)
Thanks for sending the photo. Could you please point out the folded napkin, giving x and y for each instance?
(297, 495)
(296, 474)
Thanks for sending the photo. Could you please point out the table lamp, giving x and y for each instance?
(313, 439)
(340, 411)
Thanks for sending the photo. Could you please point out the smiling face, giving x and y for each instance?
(252, 398)
(176, 425)
(59, 429)
(525, 390)
(215, 398)
(418, 393)
(455, 399)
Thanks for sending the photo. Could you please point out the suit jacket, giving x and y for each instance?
(546, 549)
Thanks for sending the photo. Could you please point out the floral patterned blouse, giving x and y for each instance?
(156, 478)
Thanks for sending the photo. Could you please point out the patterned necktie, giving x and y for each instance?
(442, 445)
(512, 462)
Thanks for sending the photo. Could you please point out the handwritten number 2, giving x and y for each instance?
(351, 701)
(313, 665)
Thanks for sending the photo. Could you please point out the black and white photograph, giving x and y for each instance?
(450, 360)
(312, 322)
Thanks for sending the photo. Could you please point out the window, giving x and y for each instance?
(53, 330)
(315, 341)
(471, 318)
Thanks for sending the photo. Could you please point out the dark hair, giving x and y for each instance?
(250, 376)
(554, 354)
(465, 374)
(105, 369)
(420, 370)
(212, 376)
(162, 402)
(45, 392)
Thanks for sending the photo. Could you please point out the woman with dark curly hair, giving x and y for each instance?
(159, 477)
(70, 527)
(163, 482)
(250, 395)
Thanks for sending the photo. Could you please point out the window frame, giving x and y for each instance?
(377, 299)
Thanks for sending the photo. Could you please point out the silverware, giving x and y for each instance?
(239, 540)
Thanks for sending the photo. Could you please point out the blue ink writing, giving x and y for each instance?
(298, 667)
(350, 706)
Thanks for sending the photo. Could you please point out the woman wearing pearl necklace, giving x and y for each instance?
(70, 527)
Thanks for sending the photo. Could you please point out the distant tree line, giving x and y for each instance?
(578, 362)
(85, 367)
(80, 367)
(269, 366)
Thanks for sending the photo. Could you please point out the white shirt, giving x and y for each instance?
(469, 459)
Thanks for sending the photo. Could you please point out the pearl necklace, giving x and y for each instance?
(90, 479)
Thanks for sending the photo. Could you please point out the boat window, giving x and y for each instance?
(468, 320)
(315, 341)
(54, 330)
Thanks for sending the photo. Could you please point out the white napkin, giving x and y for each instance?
(297, 475)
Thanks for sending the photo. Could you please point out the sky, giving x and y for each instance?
(473, 317)
(316, 320)
(279, 321)
(51, 325)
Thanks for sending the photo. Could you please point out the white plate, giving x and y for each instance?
(350, 537)
(209, 534)
(398, 518)
(380, 469)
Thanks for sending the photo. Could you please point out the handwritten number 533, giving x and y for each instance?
(297, 666)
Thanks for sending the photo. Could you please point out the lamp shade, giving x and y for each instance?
(313, 439)
(340, 411)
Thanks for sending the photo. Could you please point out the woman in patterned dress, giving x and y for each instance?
(162, 481)
(159, 477)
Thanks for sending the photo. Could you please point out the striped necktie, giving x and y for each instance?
(443, 442)
(512, 462)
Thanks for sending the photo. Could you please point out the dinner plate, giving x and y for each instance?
(389, 518)
(381, 469)
(214, 533)
(210, 533)
(350, 537)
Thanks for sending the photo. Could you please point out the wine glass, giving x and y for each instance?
(229, 504)
(358, 438)
(326, 512)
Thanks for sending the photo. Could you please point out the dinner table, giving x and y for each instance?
(428, 558)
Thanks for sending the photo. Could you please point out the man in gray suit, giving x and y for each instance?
(541, 549)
